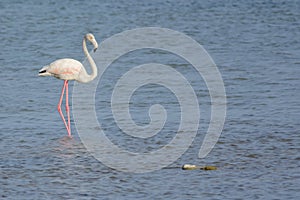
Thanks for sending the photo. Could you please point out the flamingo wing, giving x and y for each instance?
(66, 69)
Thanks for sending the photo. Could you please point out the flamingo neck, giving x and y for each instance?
(88, 77)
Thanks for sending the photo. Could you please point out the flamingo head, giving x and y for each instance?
(90, 37)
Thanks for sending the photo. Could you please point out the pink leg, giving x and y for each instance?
(59, 106)
(67, 107)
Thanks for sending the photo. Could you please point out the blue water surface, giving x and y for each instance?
(256, 47)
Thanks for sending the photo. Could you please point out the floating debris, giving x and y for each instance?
(192, 167)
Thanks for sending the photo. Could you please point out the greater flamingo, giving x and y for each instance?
(70, 69)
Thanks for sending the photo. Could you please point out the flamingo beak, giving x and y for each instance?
(95, 49)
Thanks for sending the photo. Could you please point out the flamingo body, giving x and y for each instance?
(66, 69)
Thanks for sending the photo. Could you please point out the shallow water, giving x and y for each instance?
(256, 48)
